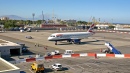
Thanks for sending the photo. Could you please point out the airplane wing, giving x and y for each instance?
(74, 38)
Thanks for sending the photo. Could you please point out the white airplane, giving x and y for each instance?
(72, 37)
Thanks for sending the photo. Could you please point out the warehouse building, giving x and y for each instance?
(6, 67)
(8, 49)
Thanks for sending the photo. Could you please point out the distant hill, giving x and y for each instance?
(15, 17)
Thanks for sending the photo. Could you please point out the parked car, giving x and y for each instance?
(56, 66)
(28, 37)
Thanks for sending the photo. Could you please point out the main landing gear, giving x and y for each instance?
(55, 42)
(70, 41)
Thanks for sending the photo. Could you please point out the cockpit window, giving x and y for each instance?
(52, 36)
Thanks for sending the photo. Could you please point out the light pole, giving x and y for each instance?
(112, 21)
(43, 17)
(33, 14)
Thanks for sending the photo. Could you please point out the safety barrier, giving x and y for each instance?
(56, 56)
(119, 55)
(39, 58)
(113, 31)
(83, 54)
(127, 55)
(74, 29)
(91, 54)
(66, 55)
(48, 57)
(75, 55)
(101, 55)
(95, 55)
(30, 59)
(110, 55)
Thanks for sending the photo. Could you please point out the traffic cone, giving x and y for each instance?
(100, 50)
(95, 56)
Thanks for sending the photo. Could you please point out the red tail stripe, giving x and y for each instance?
(92, 26)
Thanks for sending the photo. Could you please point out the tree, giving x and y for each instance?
(111, 27)
(82, 22)
(62, 22)
(39, 21)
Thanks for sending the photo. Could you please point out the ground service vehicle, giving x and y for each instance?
(68, 52)
(28, 29)
(38, 68)
(56, 66)
(111, 49)
(24, 49)
(56, 52)
(28, 37)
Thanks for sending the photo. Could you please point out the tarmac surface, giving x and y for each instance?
(95, 43)
(75, 65)
(84, 65)
(3, 66)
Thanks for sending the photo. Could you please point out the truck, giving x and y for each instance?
(38, 67)
(111, 49)
(56, 52)
(57, 66)
(68, 52)
(28, 29)
(24, 49)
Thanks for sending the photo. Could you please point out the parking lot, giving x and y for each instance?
(84, 65)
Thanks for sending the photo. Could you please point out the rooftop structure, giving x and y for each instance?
(7, 43)
(4, 18)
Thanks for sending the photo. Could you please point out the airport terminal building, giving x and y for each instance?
(8, 49)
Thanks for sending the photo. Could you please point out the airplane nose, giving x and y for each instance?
(48, 38)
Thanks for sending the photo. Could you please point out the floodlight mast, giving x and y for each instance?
(33, 14)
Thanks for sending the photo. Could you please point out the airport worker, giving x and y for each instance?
(38, 45)
(45, 48)
(35, 44)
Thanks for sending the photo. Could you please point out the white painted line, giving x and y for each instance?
(31, 71)
(70, 67)
(91, 64)
(87, 65)
(80, 66)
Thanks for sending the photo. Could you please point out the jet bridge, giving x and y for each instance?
(111, 48)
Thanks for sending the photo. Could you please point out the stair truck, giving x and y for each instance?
(111, 49)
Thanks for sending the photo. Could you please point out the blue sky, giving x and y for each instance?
(106, 10)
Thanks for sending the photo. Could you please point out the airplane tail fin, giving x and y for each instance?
(91, 28)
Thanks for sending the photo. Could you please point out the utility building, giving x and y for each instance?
(8, 49)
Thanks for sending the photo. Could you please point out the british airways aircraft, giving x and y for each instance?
(71, 37)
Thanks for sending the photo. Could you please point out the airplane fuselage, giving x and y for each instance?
(69, 36)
